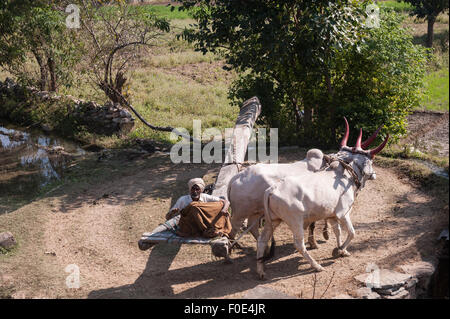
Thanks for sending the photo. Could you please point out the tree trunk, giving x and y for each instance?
(51, 69)
(42, 70)
(307, 124)
(332, 108)
(430, 33)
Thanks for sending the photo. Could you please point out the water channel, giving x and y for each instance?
(30, 159)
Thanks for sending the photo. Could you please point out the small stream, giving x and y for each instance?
(30, 159)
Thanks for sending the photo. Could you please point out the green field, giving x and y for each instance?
(396, 6)
(436, 84)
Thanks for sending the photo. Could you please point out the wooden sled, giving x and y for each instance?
(165, 233)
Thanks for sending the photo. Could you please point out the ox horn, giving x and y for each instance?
(347, 132)
(358, 141)
(369, 141)
(375, 151)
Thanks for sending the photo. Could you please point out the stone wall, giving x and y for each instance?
(104, 119)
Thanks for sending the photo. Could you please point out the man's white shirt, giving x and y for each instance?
(185, 200)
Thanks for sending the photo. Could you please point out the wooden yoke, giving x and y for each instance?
(235, 156)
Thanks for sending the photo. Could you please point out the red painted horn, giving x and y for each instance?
(375, 151)
(347, 132)
(358, 141)
(369, 141)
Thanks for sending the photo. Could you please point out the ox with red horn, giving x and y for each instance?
(359, 148)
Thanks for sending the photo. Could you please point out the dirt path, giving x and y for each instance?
(96, 227)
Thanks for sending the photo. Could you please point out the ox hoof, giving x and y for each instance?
(326, 235)
(335, 253)
(260, 271)
(312, 244)
(344, 253)
(262, 276)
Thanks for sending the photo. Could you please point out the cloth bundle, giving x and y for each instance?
(200, 219)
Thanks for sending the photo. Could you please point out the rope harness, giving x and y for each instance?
(332, 158)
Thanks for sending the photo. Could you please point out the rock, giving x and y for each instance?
(419, 269)
(402, 294)
(7, 240)
(261, 292)
(390, 291)
(366, 293)
(146, 145)
(92, 148)
(444, 235)
(385, 279)
(55, 149)
(422, 270)
(10, 84)
(126, 127)
(125, 113)
(46, 128)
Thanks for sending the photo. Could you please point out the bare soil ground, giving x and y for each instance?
(95, 223)
(429, 132)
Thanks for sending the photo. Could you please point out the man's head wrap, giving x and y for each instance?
(196, 181)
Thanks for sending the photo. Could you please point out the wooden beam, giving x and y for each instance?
(246, 119)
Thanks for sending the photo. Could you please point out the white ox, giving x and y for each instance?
(246, 189)
(327, 194)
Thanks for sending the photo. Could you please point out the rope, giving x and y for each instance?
(329, 159)
(233, 242)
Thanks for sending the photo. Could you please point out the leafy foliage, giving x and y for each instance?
(37, 30)
(429, 9)
(312, 62)
(114, 36)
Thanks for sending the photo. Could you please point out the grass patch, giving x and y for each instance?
(166, 99)
(162, 11)
(437, 87)
(397, 6)
(166, 12)
(408, 152)
(418, 174)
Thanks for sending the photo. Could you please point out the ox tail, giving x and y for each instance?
(268, 223)
(229, 186)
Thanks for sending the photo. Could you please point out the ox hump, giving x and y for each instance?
(314, 158)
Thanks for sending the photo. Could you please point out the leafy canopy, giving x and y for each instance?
(312, 62)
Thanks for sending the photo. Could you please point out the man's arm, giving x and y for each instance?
(175, 210)
(226, 205)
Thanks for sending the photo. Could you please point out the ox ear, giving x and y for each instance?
(314, 158)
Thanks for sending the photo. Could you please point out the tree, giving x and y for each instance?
(429, 9)
(115, 34)
(297, 56)
(36, 30)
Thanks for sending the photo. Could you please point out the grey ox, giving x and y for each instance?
(311, 196)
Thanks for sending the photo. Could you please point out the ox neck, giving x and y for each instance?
(352, 168)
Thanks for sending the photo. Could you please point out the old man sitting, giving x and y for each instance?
(202, 215)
